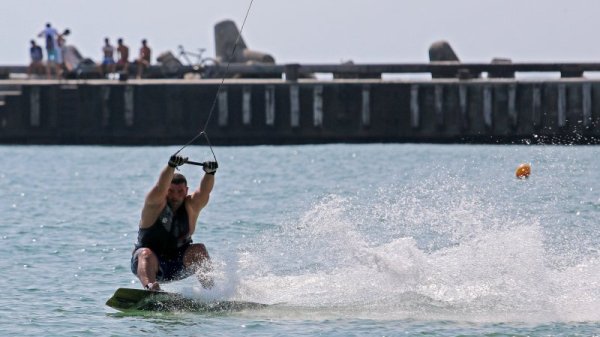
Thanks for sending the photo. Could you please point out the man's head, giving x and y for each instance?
(120, 41)
(177, 191)
(33, 43)
(144, 42)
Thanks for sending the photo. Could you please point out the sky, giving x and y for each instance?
(319, 31)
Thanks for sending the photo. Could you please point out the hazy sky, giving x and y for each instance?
(319, 31)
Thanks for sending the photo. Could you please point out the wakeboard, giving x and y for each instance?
(127, 299)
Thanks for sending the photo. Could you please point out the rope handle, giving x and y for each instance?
(194, 163)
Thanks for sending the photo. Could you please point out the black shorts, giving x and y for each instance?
(168, 269)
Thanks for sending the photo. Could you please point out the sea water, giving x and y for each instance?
(341, 240)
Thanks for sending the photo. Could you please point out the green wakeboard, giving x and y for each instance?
(127, 299)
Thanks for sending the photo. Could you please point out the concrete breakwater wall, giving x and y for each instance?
(152, 112)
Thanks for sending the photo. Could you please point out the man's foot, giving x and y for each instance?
(152, 286)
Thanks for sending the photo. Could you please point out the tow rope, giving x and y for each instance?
(214, 103)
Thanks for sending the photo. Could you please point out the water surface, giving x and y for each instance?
(343, 240)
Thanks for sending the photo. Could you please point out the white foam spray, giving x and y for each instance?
(431, 251)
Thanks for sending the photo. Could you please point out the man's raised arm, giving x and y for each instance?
(156, 198)
(200, 196)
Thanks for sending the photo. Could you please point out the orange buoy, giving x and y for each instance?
(523, 171)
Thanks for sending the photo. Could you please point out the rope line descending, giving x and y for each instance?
(214, 103)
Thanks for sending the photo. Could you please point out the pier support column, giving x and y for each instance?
(270, 105)
(223, 107)
(562, 106)
(414, 106)
(366, 106)
(105, 105)
(294, 106)
(512, 105)
(34, 106)
(586, 89)
(463, 96)
(536, 106)
(318, 106)
(246, 105)
(128, 100)
(487, 106)
(439, 105)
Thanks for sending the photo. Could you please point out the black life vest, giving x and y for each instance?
(168, 234)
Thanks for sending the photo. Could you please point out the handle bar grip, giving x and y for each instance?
(194, 163)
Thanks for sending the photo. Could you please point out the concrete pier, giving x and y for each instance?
(277, 111)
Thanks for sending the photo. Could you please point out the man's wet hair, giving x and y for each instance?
(179, 178)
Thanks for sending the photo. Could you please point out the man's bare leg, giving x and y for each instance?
(196, 257)
(147, 268)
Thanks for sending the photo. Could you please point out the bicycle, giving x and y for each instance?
(200, 61)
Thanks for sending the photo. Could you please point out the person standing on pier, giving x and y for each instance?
(61, 43)
(143, 60)
(50, 35)
(37, 56)
(123, 53)
(108, 60)
(164, 250)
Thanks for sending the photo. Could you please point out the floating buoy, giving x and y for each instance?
(523, 171)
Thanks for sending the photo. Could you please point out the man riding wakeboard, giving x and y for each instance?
(164, 250)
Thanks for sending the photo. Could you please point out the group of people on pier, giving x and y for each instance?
(109, 65)
(55, 65)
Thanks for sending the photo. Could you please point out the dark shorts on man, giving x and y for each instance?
(168, 269)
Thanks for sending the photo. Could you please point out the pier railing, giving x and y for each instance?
(437, 69)
(294, 71)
